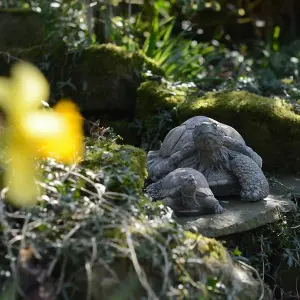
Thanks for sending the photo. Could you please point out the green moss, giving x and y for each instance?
(108, 76)
(268, 125)
(115, 61)
(137, 163)
(153, 95)
(149, 63)
(125, 164)
(209, 248)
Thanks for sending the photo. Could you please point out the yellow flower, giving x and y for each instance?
(31, 132)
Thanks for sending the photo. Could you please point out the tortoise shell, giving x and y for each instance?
(174, 181)
(181, 135)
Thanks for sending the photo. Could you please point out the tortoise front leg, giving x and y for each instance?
(254, 184)
(172, 203)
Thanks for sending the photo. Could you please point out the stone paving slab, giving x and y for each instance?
(243, 216)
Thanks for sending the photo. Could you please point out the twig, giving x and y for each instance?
(89, 275)
(129, 10)
(89, 16)
(263, 260)
(258, 277)
(24, 229)
(277, 181)
(140, 272)
(89, 267)
(61, 278)
(167, 262)
(295, 227)
(9, 56)
(67, 237)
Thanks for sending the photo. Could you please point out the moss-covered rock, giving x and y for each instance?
(268, 125)
(124, 165)
(52, 59)
(107, 77)
(153, 96)
(156, 109)
(20, 29)
(192, 258)
(102, 79)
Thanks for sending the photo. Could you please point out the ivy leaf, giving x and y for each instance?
(236, 252)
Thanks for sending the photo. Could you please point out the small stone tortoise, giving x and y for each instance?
(216, 150)
(187, 192)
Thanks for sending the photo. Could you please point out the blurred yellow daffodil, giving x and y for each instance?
(31, 132)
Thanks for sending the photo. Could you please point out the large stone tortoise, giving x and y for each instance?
(216, 150)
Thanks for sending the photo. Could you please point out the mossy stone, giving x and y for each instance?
(107, 77)
(20, 28)
(125, 164)
(154, 95)
(114, 60)
(268, 125)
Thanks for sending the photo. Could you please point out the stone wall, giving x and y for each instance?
(20, 29)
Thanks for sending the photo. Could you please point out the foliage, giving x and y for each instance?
(78, 231)
(180, 58)
(274, 250)
(162, 105)
(81, 230)
(63, 19)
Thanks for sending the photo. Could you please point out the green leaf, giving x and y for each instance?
(237, 252)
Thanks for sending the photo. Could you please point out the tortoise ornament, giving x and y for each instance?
(218, 152)
(186, 191)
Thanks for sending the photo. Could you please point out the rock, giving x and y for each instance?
(242, 216)
(208, 262)
(107, 78)
(124, 165)
(153, 95)
(103, 79)
(268, 125)
(20, 28)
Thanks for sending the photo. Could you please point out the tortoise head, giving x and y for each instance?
(208, 136)
(189, 186)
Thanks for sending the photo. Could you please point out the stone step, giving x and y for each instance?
(244, 216)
